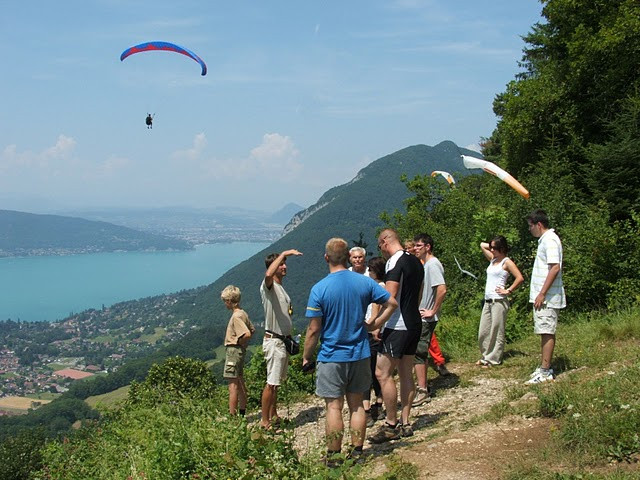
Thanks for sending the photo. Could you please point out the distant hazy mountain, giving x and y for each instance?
(284, 215)
(30, 234)
(195, 225)
(343, 211)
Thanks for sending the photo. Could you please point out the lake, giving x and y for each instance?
(50, 288)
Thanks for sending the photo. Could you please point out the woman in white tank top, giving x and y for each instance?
(496, 300)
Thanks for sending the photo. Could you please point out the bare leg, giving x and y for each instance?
(358, 419)
(421, 374)
(242, 394)
(384, 372)
(234, 388)
(407, 387)
(269, 397)
(334, 426)
(548, 343)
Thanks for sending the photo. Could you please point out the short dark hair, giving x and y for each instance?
(424, 238)
(270, 259)
(376, 265)
(500, 244)
(539, 216)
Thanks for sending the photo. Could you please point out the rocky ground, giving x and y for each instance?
(449, 441)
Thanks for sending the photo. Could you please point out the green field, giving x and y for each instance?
(109, 399)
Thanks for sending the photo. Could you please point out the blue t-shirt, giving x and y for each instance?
(341, 299)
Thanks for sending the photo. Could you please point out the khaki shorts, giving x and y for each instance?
(545, 321)
(233, 362)
(277, 360)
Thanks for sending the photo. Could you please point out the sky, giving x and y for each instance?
(299, 95)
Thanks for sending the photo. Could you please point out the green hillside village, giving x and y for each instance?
(154, 403)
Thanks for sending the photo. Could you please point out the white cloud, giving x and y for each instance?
(193, 153)
(275, 158)
(62, 150)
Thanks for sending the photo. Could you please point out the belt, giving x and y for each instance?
(273, 335)
(494, 300)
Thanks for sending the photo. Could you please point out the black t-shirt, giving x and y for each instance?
(407, 270)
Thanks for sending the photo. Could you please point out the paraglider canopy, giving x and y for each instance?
(166, 46)
(493, 169)
(447, 176)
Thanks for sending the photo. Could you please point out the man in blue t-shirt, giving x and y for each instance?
(336, 311)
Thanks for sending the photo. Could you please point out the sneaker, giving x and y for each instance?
(385, 433)
(406, 430)
(541, 377)
(535, 373)
(442, 370)
(422, 397)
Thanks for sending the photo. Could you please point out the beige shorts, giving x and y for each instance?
(545, 321)
(277, 360)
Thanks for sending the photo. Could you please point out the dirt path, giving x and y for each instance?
(446, 444)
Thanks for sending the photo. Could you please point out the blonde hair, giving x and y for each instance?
(232, 294)
(337, 251)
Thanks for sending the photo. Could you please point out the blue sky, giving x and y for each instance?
(299, 95)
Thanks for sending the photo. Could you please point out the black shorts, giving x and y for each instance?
(397, 343)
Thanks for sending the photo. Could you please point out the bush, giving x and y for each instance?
(174, 379)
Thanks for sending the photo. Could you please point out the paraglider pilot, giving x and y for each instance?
(149, 120)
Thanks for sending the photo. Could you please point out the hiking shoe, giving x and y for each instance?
(385, 433)
(356, 455)
(540, 377)
(406, 430)
(442, 370)
(370, 420)
(422, 397)
(333, 460)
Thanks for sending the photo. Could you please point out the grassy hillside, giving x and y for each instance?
(343, 211)
(30, 234)
(482, 423)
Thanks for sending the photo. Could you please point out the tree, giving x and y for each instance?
(580, 66)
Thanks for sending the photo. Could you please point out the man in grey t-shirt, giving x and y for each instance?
(433, 293)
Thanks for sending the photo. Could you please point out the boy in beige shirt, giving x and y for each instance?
(239, 331)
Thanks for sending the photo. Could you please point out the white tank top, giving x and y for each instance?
(496, 277)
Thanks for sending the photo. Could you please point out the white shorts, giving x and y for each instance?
(277, 360)
(545, 321)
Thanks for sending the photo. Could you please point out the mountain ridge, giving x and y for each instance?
(346, 211)
(25, 234)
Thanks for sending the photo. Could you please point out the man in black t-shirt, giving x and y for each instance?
(403, 279)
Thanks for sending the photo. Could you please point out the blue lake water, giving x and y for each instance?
(50, 288)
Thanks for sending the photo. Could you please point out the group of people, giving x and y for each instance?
(375, 320)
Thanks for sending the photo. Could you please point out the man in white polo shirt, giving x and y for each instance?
(546, 292)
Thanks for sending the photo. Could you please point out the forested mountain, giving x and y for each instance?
(346, 211)
(23, 234)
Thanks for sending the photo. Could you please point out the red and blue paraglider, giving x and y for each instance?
(166, 46)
